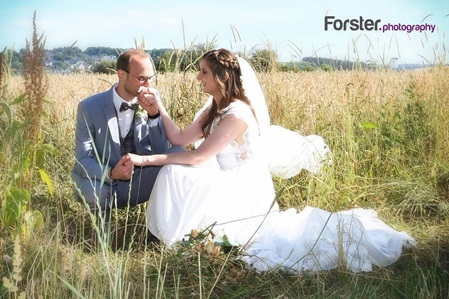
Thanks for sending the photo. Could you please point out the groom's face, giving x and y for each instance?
(132, 80)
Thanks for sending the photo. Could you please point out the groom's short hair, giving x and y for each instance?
(125, 57)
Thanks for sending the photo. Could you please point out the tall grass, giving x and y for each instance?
(389, 139)
(387, 134)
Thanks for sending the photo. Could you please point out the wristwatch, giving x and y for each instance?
(154, 116)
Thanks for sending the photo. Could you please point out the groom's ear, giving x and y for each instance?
(121, 73)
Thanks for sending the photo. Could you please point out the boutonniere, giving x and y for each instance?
(142, 115)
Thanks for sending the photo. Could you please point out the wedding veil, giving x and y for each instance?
(255, 95)
(287, 152)
(253, 92)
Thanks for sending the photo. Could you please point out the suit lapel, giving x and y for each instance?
(111, 117)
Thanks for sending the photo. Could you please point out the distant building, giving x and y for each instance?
(80, 66)
(394, 63)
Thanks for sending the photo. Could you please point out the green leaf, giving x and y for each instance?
(40, 155)
(15, 129)
(26, 162)
(43, 150)
(48, 181)
(14, 205)
(33, 220)
(71, 287)
(369, 125)
(223, 241)
(50, 149)
(19, 100)
(7, 111)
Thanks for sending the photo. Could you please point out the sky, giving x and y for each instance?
(294, 29)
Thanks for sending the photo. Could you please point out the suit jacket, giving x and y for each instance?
(97, 144)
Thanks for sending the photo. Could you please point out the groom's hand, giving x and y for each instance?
(123, 170)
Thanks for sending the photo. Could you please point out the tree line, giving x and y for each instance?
(103, 60)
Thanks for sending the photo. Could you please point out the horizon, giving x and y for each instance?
(300, 61)
(292, 28)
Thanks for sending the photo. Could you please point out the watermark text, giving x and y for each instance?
(356, 24)
(351, 24)
(407, 27)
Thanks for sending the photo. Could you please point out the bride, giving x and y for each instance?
(226, 183)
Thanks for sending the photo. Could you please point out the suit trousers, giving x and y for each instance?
(103, 196)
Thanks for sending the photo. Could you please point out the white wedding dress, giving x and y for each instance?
(231, 190)
(233, 194)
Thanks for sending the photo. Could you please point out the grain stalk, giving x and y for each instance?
(36, 85)
(27, 135)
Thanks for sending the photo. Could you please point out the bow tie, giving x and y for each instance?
(126, 106)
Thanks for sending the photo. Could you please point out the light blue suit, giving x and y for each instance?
(97, 148)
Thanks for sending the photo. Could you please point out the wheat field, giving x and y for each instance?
(388, 132)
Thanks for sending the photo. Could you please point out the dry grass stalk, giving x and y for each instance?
(2, 59)
(36, 84)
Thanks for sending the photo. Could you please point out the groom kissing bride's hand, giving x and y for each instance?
(149, 99)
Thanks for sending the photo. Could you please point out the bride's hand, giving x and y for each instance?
(137, 160)
(149, 100)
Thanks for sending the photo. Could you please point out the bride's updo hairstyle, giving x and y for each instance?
(227, 73)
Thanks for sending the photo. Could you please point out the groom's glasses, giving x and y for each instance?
(143, 79)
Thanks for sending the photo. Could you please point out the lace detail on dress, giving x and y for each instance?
(243, 151)
(241, 148)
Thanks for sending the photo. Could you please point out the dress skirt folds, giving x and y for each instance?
(233, 194)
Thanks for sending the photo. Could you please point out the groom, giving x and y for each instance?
(107, 129)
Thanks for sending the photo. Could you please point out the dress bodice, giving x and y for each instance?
(238, 152)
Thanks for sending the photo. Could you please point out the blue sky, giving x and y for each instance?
(293, 28)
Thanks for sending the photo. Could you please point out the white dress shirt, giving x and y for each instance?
(125, 118)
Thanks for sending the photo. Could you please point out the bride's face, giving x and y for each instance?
(207, 79)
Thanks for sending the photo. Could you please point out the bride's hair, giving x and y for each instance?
(223, 62)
